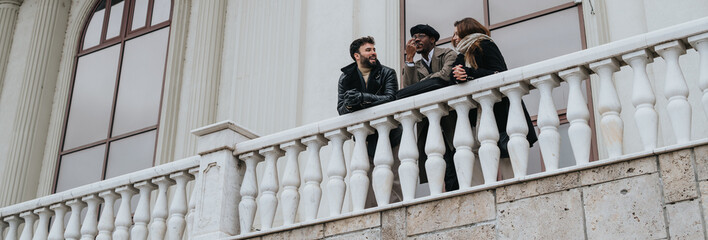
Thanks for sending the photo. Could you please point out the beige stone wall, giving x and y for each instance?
(654, 197)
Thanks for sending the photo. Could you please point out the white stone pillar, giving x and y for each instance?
(28, 229)
(676, 90)
(176, 223)
(14, 222)
(73, 227)
(88, 227)
(268, 188)
(336, 171)
(8, 20)
(124, 218)
(408, 154)
(578, 114)
(291, 181)
(29, 126)
(382, 175)
(517, 128)
(3, 225)
(312, 192)
(57, 230)
(700, 43)
(158, 227)
(42, 231)
(435, 148)
(141, 217)
(488, 135)
(359, 165)
(463, 141)
(609, 107)
(249, 191)
(105, 222)
(549, 139)
(643, 98)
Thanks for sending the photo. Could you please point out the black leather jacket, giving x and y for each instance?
(381, 88)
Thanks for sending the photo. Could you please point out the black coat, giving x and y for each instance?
(381, 88)
(490, 61)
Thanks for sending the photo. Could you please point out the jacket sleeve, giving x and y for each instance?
(340, 98)
(409, 76)
(389, 94)
(444, 73)
(493, 61)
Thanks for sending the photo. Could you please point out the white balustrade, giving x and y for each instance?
(142, 211)
(176, 223)
(435, 148)
(290, 197)
(42, 231)
(643, 98)
(359, 165)
(28, 230)
(578, 114)
(158, 227)
(14, 222)
(88, 227)
(464, 140)
(124, 217)
(107, 219)
(700, 43)
(517, 128)
(57, 230)
(336, 171)
(268, 188)
(408, 171)
(249, 192)
(382, 175)
(547, 120)
(488, 135)
(676, 90)
(313, 176)
(3, 226)
(73, 227)
(192, 204)
(609, 106)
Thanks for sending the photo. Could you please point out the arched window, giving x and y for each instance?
(111, 121)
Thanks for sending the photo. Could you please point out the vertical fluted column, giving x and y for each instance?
(42, 231)
(205, 47)
(14, 222)
(105, 223)
(290, 197)
(700, 43)
(28, 229)
(408, 153)
(435, 148)
(178, 208)
(313, 176)
(488, 135)
(268, 202)
(73, 227)
(336, 171)
(676, 90)
(57, 230)
(463, 141)
(517, 129)
(160, 212)
(359, 165)
(142, 211)
(578, 114)
(124, 218)
(609, 106)
(88, 227)
(382, 175)
(19, 175)
(643, 98)
(8, 20)
(249, 191)
(549, 139)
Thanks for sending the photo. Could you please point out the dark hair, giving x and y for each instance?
(468, 26)
(354, 47)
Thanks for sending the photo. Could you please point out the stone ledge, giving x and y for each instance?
(309, 232)
(352, 224)
(374, 233)
(451, 212)
(618, 171)
(483, 231)
(678, 176)
(538, 187)
(526, 218)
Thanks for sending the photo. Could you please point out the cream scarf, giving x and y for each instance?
(467, 41)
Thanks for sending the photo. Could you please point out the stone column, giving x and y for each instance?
(18, 178)
(218, 194)
(8, 18)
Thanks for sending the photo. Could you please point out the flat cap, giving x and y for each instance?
(425, 29)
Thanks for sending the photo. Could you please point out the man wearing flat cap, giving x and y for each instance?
(436, 63)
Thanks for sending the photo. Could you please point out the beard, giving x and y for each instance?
(367, 62)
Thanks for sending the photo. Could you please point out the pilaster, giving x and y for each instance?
(8, 20)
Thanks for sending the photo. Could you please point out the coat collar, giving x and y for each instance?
(352, 72)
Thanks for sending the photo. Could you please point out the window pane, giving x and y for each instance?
(140, 14)
(161, 11)
(80, 168)
(92, 98)
(502, 10)
(141, 82)
(441, 15)
(539, 38)
(115, 20)
(93, 31)
(131, 154)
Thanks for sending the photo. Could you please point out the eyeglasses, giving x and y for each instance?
(419, 36)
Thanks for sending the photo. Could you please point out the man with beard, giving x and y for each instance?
(366, 83)
(435, 65)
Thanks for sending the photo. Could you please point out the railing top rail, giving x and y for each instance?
(551, 66)
(97, 187)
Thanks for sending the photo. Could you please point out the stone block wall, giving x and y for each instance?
(663, 196)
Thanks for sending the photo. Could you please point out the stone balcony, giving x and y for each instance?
(221, 194)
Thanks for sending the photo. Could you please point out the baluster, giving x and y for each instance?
(142, 211)
(105, 223)
(159, 212)
(3, 225)
(488, 135)
(123, 218)
(382, 175)
(28, 229)
(609, 106)
(73, 227)
(313, 176)
(517, 128)
(249, 191)
(676, 90)
(643, 98)
(435, 148)
(359, 165)
(57, 230)
(268, 202)
(291, 181)
(463, 141)
(192, 204)
(408, 153)
(42, 231)
(548, 122)
(578, 114)
(336, 171)
(88, 228)
(700, 43)
(14, 222)
(178, 208)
